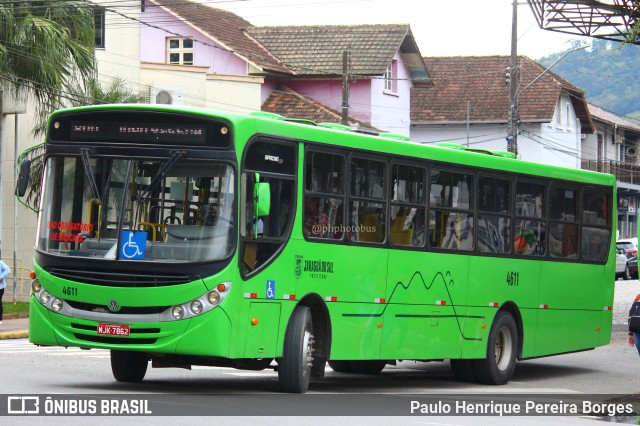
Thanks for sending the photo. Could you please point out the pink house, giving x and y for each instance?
(383, 62)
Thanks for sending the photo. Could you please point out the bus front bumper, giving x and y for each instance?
(205, 335)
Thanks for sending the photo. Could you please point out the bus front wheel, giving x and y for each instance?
(502, 347)
(294, 368)
(128, 366)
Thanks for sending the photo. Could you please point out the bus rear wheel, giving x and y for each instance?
(294, 368)
(502, 347)
(129, 366)
(340, 366)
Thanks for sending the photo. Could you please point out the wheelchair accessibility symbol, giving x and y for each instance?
(133, 245)
(271, 289)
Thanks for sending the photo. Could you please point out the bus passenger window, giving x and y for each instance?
(451, 203)
(530, 234)
(494, 221)
(596, 236)
(324, 196)
(407, 206)
(563, 228)
(366, 215)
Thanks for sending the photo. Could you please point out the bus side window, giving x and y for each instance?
(451, 206)
(324, 196)
(595, 234)
(530, 228)
(563, 228)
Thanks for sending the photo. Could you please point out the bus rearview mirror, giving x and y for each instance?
(262, 199)
(23, 178)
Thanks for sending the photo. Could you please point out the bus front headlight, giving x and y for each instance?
(196, 307)
(177, 312)
(45, 297)
(56, 304)
(213, 297)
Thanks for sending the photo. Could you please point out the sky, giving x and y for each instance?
(440, 27)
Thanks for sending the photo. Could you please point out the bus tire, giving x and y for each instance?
(462, 370)
(294, 369)
(340, 366)
(502, 348)
(129, 366)
(367, 367)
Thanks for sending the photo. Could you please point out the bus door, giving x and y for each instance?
(266, 258)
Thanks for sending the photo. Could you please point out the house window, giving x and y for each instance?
(180, 50)
(391, 78)
(559, 115)
(568, 115)
(98, 17)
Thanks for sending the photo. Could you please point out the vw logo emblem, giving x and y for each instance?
(114, 306)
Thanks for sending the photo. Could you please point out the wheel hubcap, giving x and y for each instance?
(503, 349)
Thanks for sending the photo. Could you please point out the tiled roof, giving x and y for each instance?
(226, 28)
(318, 50)
(287, 102)
(605, 116)
(478, 83)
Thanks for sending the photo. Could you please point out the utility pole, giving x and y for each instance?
(345, 87)
(512, 126)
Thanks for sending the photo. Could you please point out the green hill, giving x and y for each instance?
(607, 72)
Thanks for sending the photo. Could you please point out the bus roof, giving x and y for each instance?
(276, 125)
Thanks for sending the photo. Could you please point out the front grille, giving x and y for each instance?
(115, 340)
(121, 279)
(125, 310)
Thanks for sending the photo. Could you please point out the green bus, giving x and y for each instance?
(186, 236)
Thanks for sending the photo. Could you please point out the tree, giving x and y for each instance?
(46, 47)
(93, 94)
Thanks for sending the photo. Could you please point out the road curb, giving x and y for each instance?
(20, 334)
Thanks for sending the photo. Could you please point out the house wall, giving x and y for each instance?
(120, 58)
(391, 112)
(553, 143)
(206, 52)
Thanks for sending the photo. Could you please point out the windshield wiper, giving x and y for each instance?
(84, 154)
(153, 185)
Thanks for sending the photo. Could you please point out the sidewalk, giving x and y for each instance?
(14, 328)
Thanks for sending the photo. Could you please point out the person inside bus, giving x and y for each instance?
(316, 222)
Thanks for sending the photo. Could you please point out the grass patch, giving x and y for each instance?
(18, 307)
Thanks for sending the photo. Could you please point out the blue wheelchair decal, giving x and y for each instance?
(271, 289)
(132, 245)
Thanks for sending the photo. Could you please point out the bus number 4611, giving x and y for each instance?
(513, 278)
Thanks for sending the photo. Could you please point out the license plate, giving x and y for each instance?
(113, 329)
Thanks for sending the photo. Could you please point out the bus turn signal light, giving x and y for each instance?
(254, 321)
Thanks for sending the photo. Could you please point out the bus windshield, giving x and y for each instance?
(166, 210)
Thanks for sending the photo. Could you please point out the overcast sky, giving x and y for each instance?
(441, 27)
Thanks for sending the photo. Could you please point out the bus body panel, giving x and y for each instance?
(494, 281)
(426, 296)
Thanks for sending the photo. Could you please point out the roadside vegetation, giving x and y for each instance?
(18, 307)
